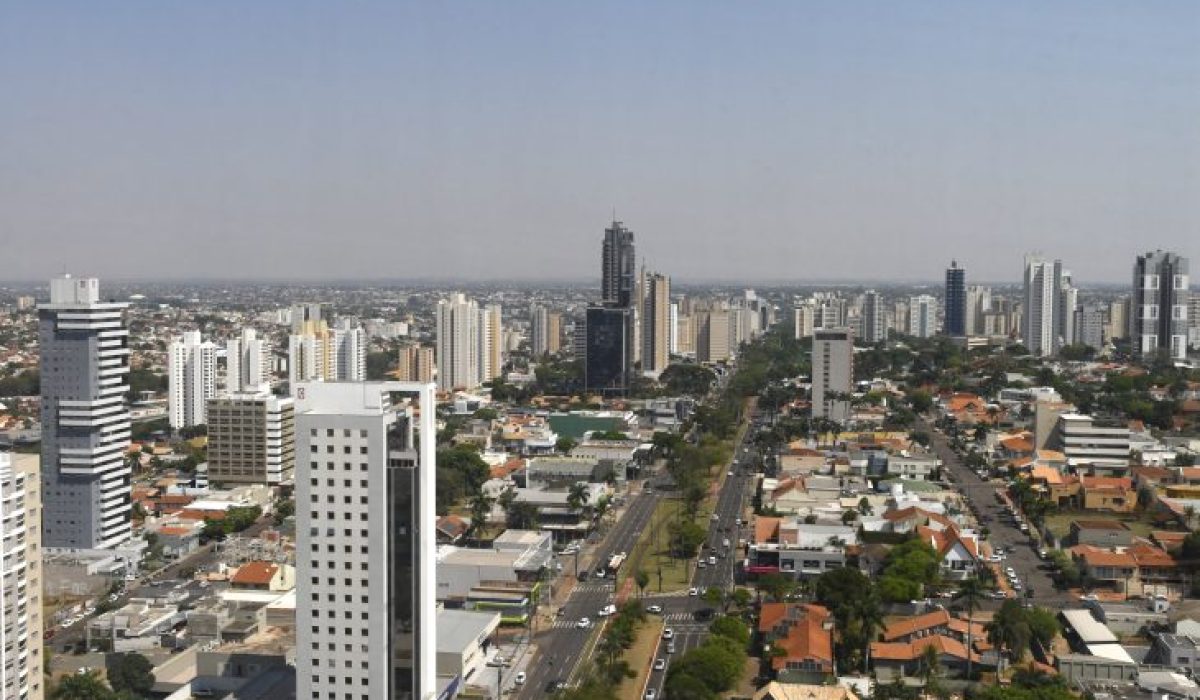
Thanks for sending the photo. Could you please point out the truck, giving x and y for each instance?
(614, 563)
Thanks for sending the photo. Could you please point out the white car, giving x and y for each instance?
(668, 633)
(1010, 571)
(712, 561)
(519, 679)
(650, 694)
(700, 564)
(583, 623)
(654, 609)
(607, 610)
(729, 473)
(715, 517)
(693, 592)
(660, 664)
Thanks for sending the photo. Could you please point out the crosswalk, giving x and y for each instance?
(676, 619)
(594, 587)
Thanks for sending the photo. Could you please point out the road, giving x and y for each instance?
(561, 648)
(1022, 554)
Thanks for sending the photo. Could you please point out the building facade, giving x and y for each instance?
(416, 364)
(922, 316)
(366, 541)
(1159, 310)
(874, 322)
(955, 318)
(251, 439)
(247, 362)
(656, 322)
(20, 580)
(833, 373)
(609, 357)
(618, 266)
(458, 343)
(191, 379)
(84, 348)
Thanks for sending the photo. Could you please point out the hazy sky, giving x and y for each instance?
(739, 140)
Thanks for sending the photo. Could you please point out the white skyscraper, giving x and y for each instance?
(1041, 307)
(191, 379)
(84, 361)
(673, 330)
(491, 343)
(979, 302)
(246, 363)
(349, 345)
(832, 373)
(922, 316)
(458, 343)
(366, 541)
(873, 322)
(317, 352)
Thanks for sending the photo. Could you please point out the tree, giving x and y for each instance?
(1043, 625)
(970, 593)
(565, 444)
(684, 686)
(920, 400)
(1009, 630)
(283, 509)
(849, 516)
(642, 579)
(741, 597)
(687, 379)
(81, 686)
(131, 672)
(731, 627)
(577, 496)
(714, 595)
(481, 508)
(521, 515)
(777, 586)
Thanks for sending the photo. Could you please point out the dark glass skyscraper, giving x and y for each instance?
(618, 267)
(1159, 313)
(609, 349)
(955, 322)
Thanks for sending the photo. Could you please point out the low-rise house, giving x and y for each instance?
(1059, 488)
(803, 691)
(937, 622)
(790, 546)
(178, 540)
(263, 576)
(452, 528)
(1100, 533)
(798, 638)
(892, 659)
(135, 626)
(1105, 568)
(1108, 493)
(464, 643)
(914, 467)
(958, 550)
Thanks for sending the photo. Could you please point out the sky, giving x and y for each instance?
(740, 141)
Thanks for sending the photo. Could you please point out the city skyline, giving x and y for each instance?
(965, 130)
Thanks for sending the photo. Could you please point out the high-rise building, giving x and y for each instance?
(922, 316)
(673, 329)
(979, 304)
(319, 353)
(366, 538)
(1042, 288)
(1068, 301)
(1089, 326)
(416, 364)
(350, 353)
(685, 334)
(1159, 310)
(1118, 318)
(1194, 320)
(545, 328)
(191, 379)
(491, 343)
(251, 438)
(247, 362)
(618, 267)
(20, 579)
(873, 321)
(713, 342)
(955, 318)
(656, 322)
(307, 317)
(832, 373)
(458, 343)
(804, 320)
(84, 348)
(609, 357)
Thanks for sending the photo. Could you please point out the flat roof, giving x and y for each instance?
(1088, 628)
(458, 629)
(1114, 652)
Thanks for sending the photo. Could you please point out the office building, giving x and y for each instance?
(922, 316)
(1089, 326)
(491, 343)
(618, 267)
(458, 343)
(416, 364)
(874, 324)
(191, 379)
(955, 318)
(1159, 310)
(609, 358)
(366, 541)
(84, 348)
(713, 342)
(804, 320)
(251, 439)
(833, 373)
(1090, 445)
(247, 362)
(545, 328)
(656, 323)
(21, 642)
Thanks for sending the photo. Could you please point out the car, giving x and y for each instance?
(996, 558)
(583, 623)
(737, 521)
(1043, 554)
(693, 592)
(654, 609)
(551, 687)
(671, 647)
(1010, 571)
(668, 634)
(519, 679)
(1016, 586)
(496, 660)
(712, 561)
(729, 473)
(999, 595)
(607, 610)
(650, 694)
(660, 664)
(715, 517)
(700, 564)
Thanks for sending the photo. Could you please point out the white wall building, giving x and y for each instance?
(922, 316)
(191, 379)
(458, 343)
(247, 362)
(20, 580)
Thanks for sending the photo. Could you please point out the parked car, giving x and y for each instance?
(693, 592)
(519, 679)
(660, 664)
(668, 633)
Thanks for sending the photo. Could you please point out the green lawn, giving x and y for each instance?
(651, 553)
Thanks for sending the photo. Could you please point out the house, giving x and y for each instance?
(958, 550)
(803, 691)
(1100, 533)
(1105, 568)
(905, 658)
(1111, 493)
(179, 540)
(937, 622)
(1060, 489)
(909, 519)
(802, 550)
(799, 640)
(915, 467)
(452, 528)
(263, 576)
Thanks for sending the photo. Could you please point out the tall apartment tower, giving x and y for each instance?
(673, 329)
(349, 353)
(491, 343)
(713, 335)
(618, 267)
(247, 362)
(833, 373)
(365, 527)
(979, 304)
(191, 379)
(20, 579)
(318, 353)
(873, 321)
(84, 365)
(416, 364)
(251, 439)
(1118, 318)
(656, 322)
(955, 320)
(545, 326)
(458, 343)
(922, 316)
(1159, 318)
(1042, 305)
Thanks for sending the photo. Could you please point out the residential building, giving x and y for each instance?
(366, 540)
(873, 321)
(979, 304)
(1159, 309)
(803, 633)
(20, 579)
(656, 322)
(247, 362)
(84, 350)
(458, 343)
(833, 373)
(191, 379)
(1042, 304)
(318, 353)
(955, 319)
(491, 345)
(804, 320)
(545, 331)
(1089, 326)
(618, 267)
(922, 316)
(416, 364)
(713, 336)
(1118, 318)
(251, 438)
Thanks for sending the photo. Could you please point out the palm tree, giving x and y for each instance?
(870, 617)
(577, 496)
(970, 592)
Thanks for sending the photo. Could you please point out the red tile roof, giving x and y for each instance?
(255, 573)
